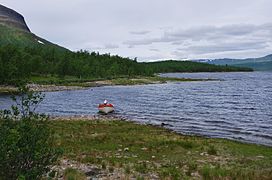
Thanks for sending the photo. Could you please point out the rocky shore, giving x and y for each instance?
(88, 117)
(92, 171)
(40, 88)
(70, 86)
(51, 88)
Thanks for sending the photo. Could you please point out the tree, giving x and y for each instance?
(26, 141)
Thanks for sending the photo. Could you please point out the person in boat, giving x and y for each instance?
(105, 102)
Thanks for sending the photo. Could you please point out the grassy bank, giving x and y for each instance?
(119, 80)
(144, 152)
(52, 83)
(8, 90)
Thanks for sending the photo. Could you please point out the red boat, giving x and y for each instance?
(106, 108)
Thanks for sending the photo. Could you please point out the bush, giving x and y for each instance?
(212, 150)
(72, 174)
(26, 141)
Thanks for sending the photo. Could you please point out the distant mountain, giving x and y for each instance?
(258, 64)
(14, 30)
(11, 18)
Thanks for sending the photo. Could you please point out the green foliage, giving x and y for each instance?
(141, 167)
(26, 141)
(189, 66)
(22, 57)
(209, 172)
(127, 169)
(72, 174)
(258, 66)
(172, 172)
(154, 150)
(212, 150)
(19, 63)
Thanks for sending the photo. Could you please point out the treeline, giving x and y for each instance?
(189, 66)
(17, 62)
(22, 63)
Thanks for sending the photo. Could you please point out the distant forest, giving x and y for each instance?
(22, 62)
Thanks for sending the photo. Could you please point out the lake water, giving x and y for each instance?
(238, 107)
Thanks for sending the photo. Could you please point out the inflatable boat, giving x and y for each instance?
(105, 108)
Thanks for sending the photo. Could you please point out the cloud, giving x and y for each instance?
(111, 46)
(224, 47)
(190, 28)
(140, 42)
(154, 49)
(211, 39)
(205, 33)
(139, 32)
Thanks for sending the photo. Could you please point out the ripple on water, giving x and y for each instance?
(239, 107)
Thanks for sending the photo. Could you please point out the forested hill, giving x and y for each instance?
(24, 55)
(190, 66)
(22, 62)
(257, 64)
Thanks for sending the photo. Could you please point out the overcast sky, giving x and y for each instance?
(154, 29)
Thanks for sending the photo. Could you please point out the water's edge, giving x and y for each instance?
(238, 108)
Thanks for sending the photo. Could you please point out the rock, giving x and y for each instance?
(93, 172)
(163, 124)
(144, 148)
(204, 154)
(195, 174)
(154, 176)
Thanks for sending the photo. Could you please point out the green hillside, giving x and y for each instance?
(190, 66)
(258, 64)
(24, 55)
(9, 35)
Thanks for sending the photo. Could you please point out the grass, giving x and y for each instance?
(90, 82)
(150, 80)
(7, 90)
(73, 174)
(67, 80)
(141, 150)
(122, 80)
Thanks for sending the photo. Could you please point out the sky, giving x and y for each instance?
(154, 29)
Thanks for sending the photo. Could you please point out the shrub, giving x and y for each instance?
(212, 150)
(26, 141)
(72, 174)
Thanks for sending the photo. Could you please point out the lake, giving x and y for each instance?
(238, 106)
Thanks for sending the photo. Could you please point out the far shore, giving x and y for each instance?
(68, 85)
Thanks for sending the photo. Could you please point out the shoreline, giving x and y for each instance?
(118, 148)
(71, 86)
(113, 117)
